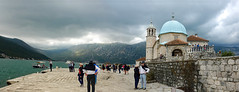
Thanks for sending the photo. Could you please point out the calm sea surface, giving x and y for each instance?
(10, 68)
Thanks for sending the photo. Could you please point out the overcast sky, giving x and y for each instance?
(49, 24)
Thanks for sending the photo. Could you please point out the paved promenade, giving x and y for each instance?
(60, 80)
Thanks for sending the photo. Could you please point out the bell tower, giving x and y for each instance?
(150, 40)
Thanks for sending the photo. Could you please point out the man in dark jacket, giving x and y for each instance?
(90, 73)
(136, 76)
(81, 74)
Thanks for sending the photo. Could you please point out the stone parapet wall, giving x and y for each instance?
(217, 74)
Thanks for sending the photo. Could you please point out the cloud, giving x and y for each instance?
(46, 24)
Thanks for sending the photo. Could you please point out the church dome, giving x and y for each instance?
(173, 26)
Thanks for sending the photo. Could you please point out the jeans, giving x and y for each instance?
(95, 79)
(119, 71)
(80, 78)
(91, 80)
(136, 81)
(51, 67)
(143, 80)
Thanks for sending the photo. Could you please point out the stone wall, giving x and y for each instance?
(219, 74)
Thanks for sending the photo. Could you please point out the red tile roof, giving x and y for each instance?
(141, 59)
(177, 42)
(196, 38)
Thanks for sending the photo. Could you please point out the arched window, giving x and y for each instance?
(177, 52)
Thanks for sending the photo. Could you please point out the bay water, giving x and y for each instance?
(10, 68)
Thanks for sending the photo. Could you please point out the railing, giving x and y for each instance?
(200, 49)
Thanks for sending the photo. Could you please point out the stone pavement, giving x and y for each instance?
(60, 80)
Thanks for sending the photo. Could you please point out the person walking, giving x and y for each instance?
(125, 69)
(81, 74)
(143, 69)
(50, 62)
(90, 73)
(120, 66)
(103, 67)
(136, 76)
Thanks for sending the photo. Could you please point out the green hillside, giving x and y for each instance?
(15, 48)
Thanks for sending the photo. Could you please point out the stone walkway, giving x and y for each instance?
(60, 80)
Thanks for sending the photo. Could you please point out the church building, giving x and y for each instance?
(174, 44)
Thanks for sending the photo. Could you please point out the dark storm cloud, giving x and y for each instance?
(70, 22)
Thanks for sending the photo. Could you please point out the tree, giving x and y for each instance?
(228, 53)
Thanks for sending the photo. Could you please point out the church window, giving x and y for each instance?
(177, 52)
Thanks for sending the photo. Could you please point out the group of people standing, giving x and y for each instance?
(91, 70)
(115, 67)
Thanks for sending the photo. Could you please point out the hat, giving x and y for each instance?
(80, 64)
(136, 65)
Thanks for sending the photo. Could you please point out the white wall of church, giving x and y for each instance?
(172, 36)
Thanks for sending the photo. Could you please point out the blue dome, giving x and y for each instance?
(173, 26)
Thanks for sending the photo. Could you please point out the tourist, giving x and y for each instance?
(90, 73)
(73, 66)
(81, 74)
(96, 71)
(125, 69)
(103, 67)
(50, 62)
(120, 66)
(136, 76)
(128, 68)
(143, 69)
(114, 68)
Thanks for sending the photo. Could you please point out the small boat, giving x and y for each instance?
(38, 65)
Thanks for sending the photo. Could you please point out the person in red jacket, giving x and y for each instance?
(81, 74)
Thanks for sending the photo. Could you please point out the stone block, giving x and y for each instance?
(219, 74)
(210, 62)
(210, 81)
(234, 75)
(213, 86)
(221, 68)
(223, 62)
(214, 78)
(217, 83)
(202, 62)
(220, 91)
(215, 68)
(209, 67)
(237, 61)
(231, 86)
(237, 86)
(202, 67)
(231, 61)
(222, 83)
(235, 68)
(228, 67)
(217, 62)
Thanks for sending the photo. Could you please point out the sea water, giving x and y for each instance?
(10, 68)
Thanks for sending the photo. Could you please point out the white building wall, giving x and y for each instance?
(171, 36)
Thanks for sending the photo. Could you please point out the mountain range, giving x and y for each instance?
(112, 52)
(17, 49)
